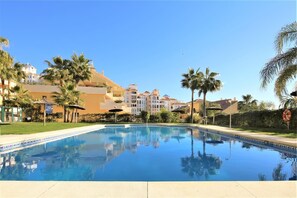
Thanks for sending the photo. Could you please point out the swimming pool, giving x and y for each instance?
(154, 153)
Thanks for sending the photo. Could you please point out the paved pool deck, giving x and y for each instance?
(45, 189)
(18, 189)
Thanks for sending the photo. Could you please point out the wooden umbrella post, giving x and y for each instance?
(44, 114)
(76, 115)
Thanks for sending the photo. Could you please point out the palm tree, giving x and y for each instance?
(80, 68)
(283, 66)
(247, 103)
(10, 75)
(21, 98)
(67, 96)
(19, 73)
(190, 81)
(57, 71)
(6, 62)
(247, 99)
(209, 83)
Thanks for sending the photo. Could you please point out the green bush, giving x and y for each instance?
(104, 117)
(125, 117)
(196, 119)
(155, 118)
(175, 118)
(145, 116)
(261, 119)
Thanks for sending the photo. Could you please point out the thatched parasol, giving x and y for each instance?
(115, 110)
(76, 106)
(214, 109)
(183, 109)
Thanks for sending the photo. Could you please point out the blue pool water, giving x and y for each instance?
(148, 154)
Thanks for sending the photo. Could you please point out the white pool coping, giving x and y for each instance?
(10, 143)
(26, 189)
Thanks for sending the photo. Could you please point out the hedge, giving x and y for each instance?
(106, 117)
(261, 119)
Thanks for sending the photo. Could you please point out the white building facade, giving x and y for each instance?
(31, 72)
(130, 98)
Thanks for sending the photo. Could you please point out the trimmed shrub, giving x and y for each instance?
(196, 119)
(155, 118)
(261, 119)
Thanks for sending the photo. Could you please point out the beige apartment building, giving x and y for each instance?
(99, 94)
(149, 101)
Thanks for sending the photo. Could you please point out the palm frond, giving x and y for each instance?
(4, 41)
(287, 34)
(288, 102)
(276, 64)
(285, 76)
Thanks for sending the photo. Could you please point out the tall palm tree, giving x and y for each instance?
(190, 81)
(19, 73)
(80, 68)
(209, 83)
(21, 98)
(10, 75)
(6, 62)
(283, 65)
(58, 71)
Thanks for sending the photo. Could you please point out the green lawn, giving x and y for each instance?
(268, 131)
(35, 127)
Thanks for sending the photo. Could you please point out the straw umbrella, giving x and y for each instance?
(214, 109)
(76, 106)
(115, 110)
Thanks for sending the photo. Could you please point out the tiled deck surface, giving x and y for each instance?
(44, 189)
(13, 189)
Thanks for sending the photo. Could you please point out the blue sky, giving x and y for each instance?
(151, 43)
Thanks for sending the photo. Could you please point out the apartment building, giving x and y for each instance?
(130, 98)
(154, 102)
(141, 102)
(99, 94)
(149, 101)
(31, 74)
(168, 103)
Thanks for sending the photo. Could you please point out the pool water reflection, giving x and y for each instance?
(148, 154)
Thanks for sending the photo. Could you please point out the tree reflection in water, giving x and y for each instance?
(202, 164)
(11, 168)
(68, 162)
(277, 173)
